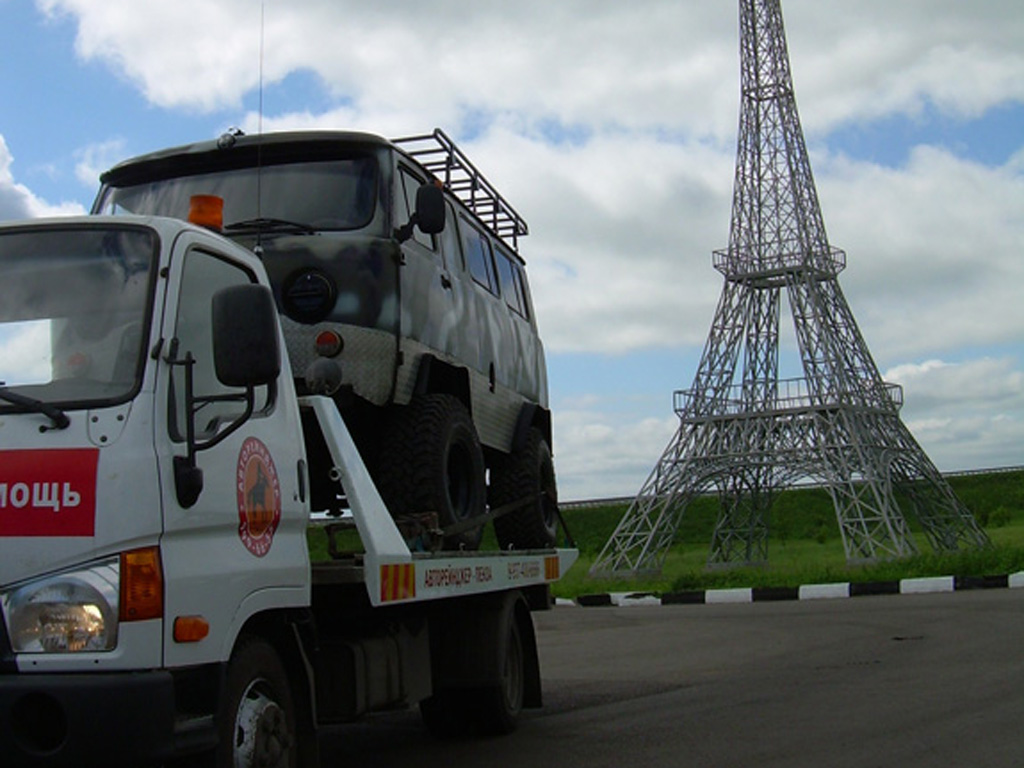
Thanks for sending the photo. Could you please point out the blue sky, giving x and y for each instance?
(611, 127)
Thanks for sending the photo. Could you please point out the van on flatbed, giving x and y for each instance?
(400, 261)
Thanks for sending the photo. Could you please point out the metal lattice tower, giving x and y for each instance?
(747, 434)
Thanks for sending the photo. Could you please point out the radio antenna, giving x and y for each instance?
(263, 5)
(258, 249)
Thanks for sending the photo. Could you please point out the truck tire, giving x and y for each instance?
(526, 474)
(445, 715)
(498, 708)
(431, 461)
(484, 675)
(257, 722)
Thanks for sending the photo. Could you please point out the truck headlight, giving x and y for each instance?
(71, 612)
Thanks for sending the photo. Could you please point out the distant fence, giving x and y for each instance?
(616, 500)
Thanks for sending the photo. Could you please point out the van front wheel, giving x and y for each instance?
(431, 461)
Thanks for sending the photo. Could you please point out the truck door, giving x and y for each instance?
(240, 547)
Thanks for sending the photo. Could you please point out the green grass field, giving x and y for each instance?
(804, 544)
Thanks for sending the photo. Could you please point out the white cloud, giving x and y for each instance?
(428, 56)
(934, 251)
(601, 453)
(989, 383)
(966, 415)
(25, 352)
(92, 160)
(643, 63)
(17, 201)
(854, 62)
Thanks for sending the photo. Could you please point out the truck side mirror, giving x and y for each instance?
(245, 341)
(246, 354)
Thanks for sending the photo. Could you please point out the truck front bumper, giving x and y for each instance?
(88, 719)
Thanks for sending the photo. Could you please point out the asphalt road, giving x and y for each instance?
(911, 680)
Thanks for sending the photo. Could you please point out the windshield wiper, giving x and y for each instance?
(269, 225)
(57, 416)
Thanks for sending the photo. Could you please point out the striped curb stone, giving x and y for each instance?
(918, 586)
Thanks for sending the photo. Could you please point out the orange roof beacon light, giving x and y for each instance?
(206, 211)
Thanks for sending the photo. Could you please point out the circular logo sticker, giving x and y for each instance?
(259, 497)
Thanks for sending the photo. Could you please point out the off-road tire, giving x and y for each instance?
(430, 460)
(527, 474)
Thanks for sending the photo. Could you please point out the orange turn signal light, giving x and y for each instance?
(206, 211)
(190, 629)
(142, 585)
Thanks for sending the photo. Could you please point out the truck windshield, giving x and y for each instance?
(73, 314)
(327, 195)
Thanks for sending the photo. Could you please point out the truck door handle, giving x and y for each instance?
(446, 281)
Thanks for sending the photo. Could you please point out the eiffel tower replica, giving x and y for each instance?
(743, 431)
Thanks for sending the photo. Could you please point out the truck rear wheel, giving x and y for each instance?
(528, 475)
(431, 461)
(258, 721)
(485, 667)
(498, 708)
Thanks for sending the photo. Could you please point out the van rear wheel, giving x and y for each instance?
(526, 475)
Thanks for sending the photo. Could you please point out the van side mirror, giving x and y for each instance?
(430, 209)
(429, 214)
(245, 341)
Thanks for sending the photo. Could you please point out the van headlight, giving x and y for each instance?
(71, 612)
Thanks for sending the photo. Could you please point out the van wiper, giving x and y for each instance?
(57, 416)
(263, 224)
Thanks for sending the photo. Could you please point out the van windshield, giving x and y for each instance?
(73, 314)
(325, 195)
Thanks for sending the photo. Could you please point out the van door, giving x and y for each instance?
(427, 289)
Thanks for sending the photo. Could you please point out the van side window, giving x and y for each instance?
(512, 284)
(410, 184)
(477, 249)
(202, 276)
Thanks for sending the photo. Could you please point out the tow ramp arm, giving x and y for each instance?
(392, 573)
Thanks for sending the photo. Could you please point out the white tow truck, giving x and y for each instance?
(158, 599)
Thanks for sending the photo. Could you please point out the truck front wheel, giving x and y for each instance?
(257, 721)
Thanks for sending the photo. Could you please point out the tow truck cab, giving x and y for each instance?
(117, 406)
(156, 590)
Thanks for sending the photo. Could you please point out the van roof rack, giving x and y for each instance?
(438, 154)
